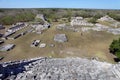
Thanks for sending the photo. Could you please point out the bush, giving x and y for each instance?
(115, 48)
(92, 20)
(39, 20)
(114, 16)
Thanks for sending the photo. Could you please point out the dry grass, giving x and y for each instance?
(90, 44)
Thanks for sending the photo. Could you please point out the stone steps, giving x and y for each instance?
(66, 69)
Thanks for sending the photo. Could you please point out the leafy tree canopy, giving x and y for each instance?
(115, 48)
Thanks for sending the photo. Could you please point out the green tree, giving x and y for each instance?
(115, 48)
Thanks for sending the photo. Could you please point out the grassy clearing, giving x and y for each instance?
(90, 44)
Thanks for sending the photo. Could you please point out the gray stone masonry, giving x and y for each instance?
(59, 69)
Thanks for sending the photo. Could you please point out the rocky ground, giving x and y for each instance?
(59, 69)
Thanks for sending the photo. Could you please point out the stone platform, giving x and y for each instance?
(59, 69)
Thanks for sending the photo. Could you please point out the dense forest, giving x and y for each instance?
(11, 16)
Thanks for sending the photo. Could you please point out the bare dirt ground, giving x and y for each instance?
(90, 44)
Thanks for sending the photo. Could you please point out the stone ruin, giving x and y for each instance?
(41, 16)
(65, 27)
(79, 21)
(59, 69)
(42, 45)
(7, 47)
(39, 27)
(96, 27)
(60, 38)
(106, 18)
(113, 22)
(100, 27)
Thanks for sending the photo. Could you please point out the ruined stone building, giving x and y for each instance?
(80, 22)
(59, 69)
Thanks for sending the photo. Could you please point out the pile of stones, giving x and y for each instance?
(80, 22)
(59, 69)
(106, 18)
(65, 27)
(100, 27)
(111, 21)
(60, 38)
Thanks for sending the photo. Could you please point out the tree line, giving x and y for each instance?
(55, 14)
(115, 48)
(21, 17)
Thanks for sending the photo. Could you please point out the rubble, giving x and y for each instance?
(111, 21)
(65, 27)
(60, 38)
(114, 31)
(35, 43)
(7, 34)
(39, 27)
(59, 69)
(106, 18)
(100, 27)
(16, 27)
(41, 16)
(42, 45)
(80, 22)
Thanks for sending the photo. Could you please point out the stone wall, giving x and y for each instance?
(79, 21)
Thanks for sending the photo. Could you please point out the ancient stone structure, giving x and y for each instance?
(65, 27)
(80, 21)
(59, 69)
(115, 31)
(42, 45)
(111, 21)
(35, 43)
(16, 27)
(60, 38)
(106, 18)
(100, 27)
(41, 16)
(38, 26)
(7, 47)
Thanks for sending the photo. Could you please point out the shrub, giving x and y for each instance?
(115, 48)
(92, 20)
